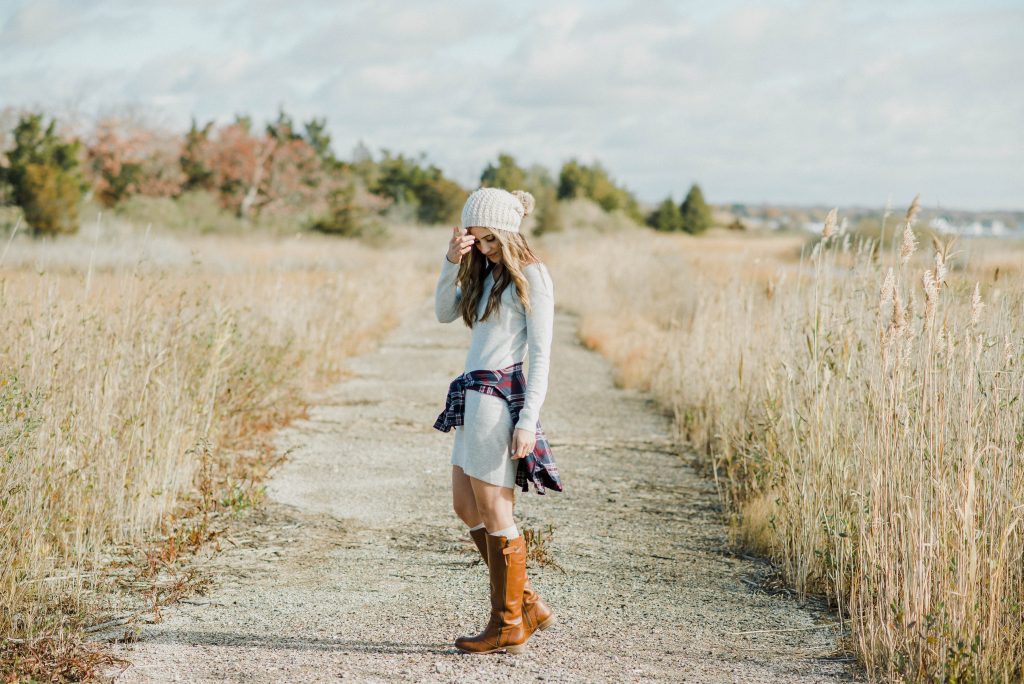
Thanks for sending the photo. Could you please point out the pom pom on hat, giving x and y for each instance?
(527, 201)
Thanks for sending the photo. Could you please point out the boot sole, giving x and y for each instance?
(550, 622)
(517, 648)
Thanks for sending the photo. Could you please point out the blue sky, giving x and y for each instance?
(803, 102)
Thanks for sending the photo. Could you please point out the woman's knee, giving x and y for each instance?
(495, 507)
(466, 509)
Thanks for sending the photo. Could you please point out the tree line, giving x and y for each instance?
(280, 168)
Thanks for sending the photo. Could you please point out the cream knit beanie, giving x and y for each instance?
(497, 208)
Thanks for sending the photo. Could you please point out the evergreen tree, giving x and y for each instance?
(283, 129)
(573, 181)
(696, 216)
(194, 163)
(319, 139)
(666, 217)
(42, 170)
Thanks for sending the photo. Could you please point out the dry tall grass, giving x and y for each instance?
(119, 356)
(861, 411)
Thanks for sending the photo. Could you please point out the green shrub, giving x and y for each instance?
(195, 211)
(666, 217)
(549, 211)
(43, 173)
(50, 199)
(593, 182)
(440, 201)
(408, 182)
(506, 174)
(352, 211)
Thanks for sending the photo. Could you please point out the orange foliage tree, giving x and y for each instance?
(254, 174)
(125, 159)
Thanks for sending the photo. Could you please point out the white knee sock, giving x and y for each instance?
(476, 527)
(510, 532)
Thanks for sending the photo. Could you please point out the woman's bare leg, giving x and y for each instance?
(463, 500)
(494, 504)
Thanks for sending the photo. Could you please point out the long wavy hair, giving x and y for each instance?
(515, 254)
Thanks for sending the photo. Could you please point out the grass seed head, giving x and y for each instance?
(830, 224)
(909, 239)
(976, 305)
(885, 295)
(909, 245)
(931, 295)
(899, 313)
(940, 269)
(913, 210)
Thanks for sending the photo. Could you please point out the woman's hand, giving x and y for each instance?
(460, 243)
(523, 442)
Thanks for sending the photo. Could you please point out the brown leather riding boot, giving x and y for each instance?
(507, 569)
(536, 614)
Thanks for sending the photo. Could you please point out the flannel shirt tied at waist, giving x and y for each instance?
(509, 383)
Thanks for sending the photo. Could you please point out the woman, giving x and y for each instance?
(504, 294)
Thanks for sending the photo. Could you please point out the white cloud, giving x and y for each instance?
(814, 102)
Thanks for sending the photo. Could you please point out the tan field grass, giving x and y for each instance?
(128, 361)
(861, 412)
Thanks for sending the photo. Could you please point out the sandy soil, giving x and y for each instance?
(357, 568)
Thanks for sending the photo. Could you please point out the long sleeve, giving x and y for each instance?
(540, 322)
(447, 293)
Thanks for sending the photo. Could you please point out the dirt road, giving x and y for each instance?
(357, 569)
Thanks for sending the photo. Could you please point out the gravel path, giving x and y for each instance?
(357, 569)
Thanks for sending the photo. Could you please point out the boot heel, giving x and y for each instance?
(550, 622)
(518, 648)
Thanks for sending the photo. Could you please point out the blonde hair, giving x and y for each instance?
(515, 255)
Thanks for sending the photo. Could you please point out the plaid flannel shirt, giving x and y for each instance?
(509, 383)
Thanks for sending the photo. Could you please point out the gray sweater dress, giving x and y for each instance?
(483, 445)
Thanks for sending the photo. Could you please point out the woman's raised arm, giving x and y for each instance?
(447, 293)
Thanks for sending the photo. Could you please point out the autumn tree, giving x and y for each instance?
(43, 172)
(237, 161)
(251, 173)
(126, 159)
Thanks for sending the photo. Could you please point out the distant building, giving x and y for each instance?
(985, 227)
